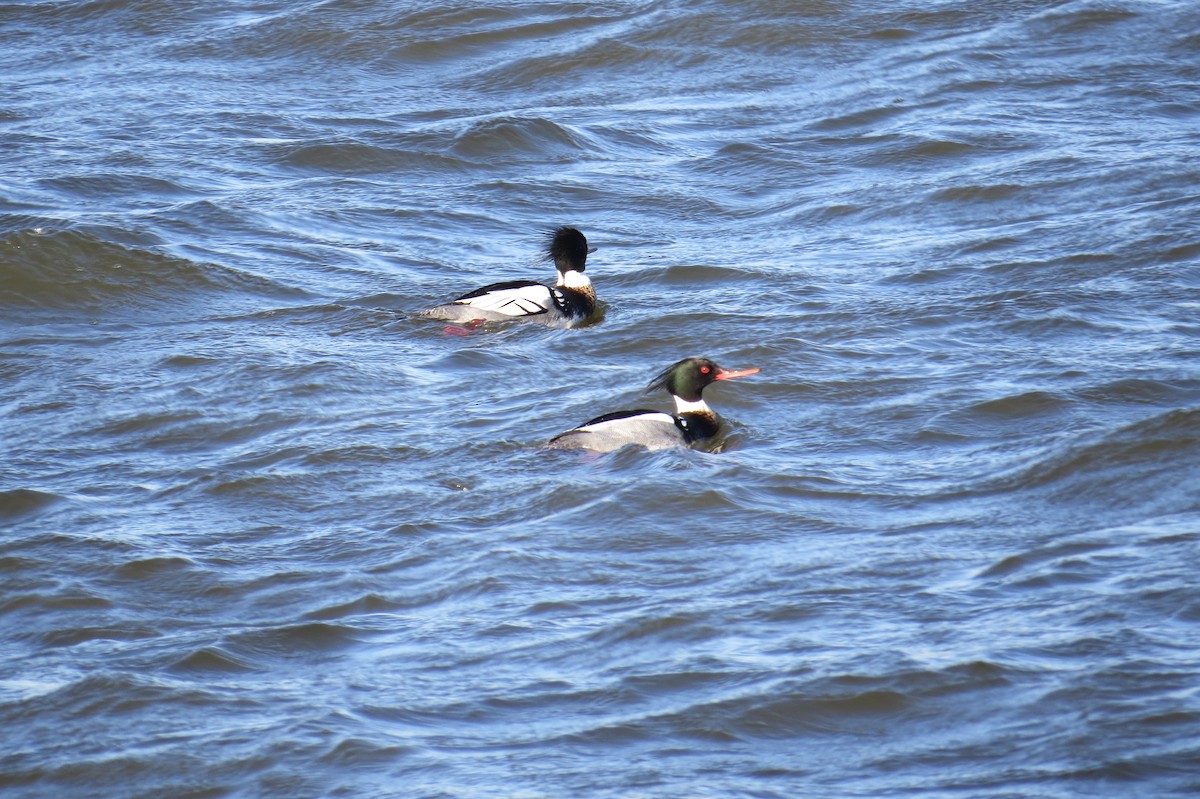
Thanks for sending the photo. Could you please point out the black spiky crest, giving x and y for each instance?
(568, 249)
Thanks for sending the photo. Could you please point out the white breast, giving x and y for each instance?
(574, 280)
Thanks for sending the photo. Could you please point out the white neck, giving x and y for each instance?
(683, 406)
(573, 280)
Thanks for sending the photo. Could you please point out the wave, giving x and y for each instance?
(67, 270)
(1126, 467)
(506, 136)
(1030, 410)
(18, 502)
(412, 154)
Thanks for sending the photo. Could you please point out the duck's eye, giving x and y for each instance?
(704, 370)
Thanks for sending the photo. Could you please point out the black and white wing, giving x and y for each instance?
(513, 299)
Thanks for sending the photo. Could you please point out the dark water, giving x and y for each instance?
(263, 535)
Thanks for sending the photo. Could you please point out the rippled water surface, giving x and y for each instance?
(262, 533)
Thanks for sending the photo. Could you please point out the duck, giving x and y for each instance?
(569, 303)
(693, 421)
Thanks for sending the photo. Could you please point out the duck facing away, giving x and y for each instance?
(693, 420)
(571, 301)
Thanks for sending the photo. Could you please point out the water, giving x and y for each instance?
(265, 535)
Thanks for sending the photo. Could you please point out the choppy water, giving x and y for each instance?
(263, 535)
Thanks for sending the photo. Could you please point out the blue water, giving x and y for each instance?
(263, 533)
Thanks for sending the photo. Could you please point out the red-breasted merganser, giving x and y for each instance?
(571, 301)
(693, 420)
